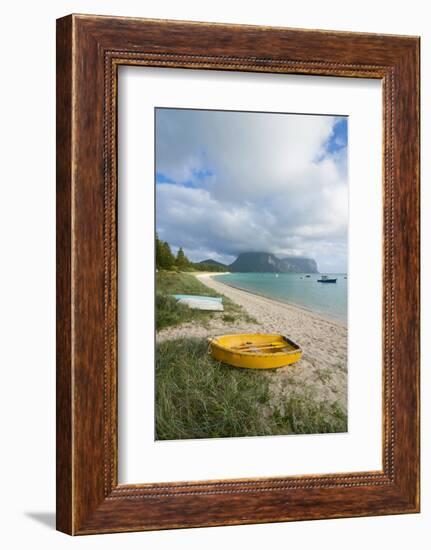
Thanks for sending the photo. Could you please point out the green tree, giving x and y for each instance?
(168, 257)
(182, 261)
(164, 257)
(159, 252)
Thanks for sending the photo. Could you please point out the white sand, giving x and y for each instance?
(322, 370)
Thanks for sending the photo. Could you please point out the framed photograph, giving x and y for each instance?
(237, 274)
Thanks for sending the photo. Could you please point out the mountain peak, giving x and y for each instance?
(266, 262)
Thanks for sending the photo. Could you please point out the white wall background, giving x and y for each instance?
(27, 280)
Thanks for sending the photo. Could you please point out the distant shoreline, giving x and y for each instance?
(317, 314)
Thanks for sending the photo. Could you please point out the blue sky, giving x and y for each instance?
(230, 182)
(338, 138)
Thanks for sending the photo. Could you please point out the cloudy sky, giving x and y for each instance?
(231, 182)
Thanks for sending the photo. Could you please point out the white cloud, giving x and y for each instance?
(251, 181)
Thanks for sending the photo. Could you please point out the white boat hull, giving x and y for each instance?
(205, 305)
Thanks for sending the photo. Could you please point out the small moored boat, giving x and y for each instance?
(255, 351)
(326, 279)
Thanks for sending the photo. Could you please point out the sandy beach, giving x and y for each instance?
(322, 371)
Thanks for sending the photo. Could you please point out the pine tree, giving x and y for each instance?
(164, 257)
(168, 259)
(182, 260)
(159, 252)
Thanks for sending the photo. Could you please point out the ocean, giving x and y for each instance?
(328, 300)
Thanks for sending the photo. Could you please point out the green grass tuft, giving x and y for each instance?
(228, 318)
(181, 283)
(304, 415)
(170, 313)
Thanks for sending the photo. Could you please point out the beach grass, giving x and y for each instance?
(170, 313)
(198, 397)
(169, 282)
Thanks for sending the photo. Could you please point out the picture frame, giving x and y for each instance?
(89, 51)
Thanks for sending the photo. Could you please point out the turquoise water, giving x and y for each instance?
(327, 299)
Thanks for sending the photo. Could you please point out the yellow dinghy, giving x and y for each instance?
(255, 351)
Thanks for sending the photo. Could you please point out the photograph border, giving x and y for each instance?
(89, 51)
